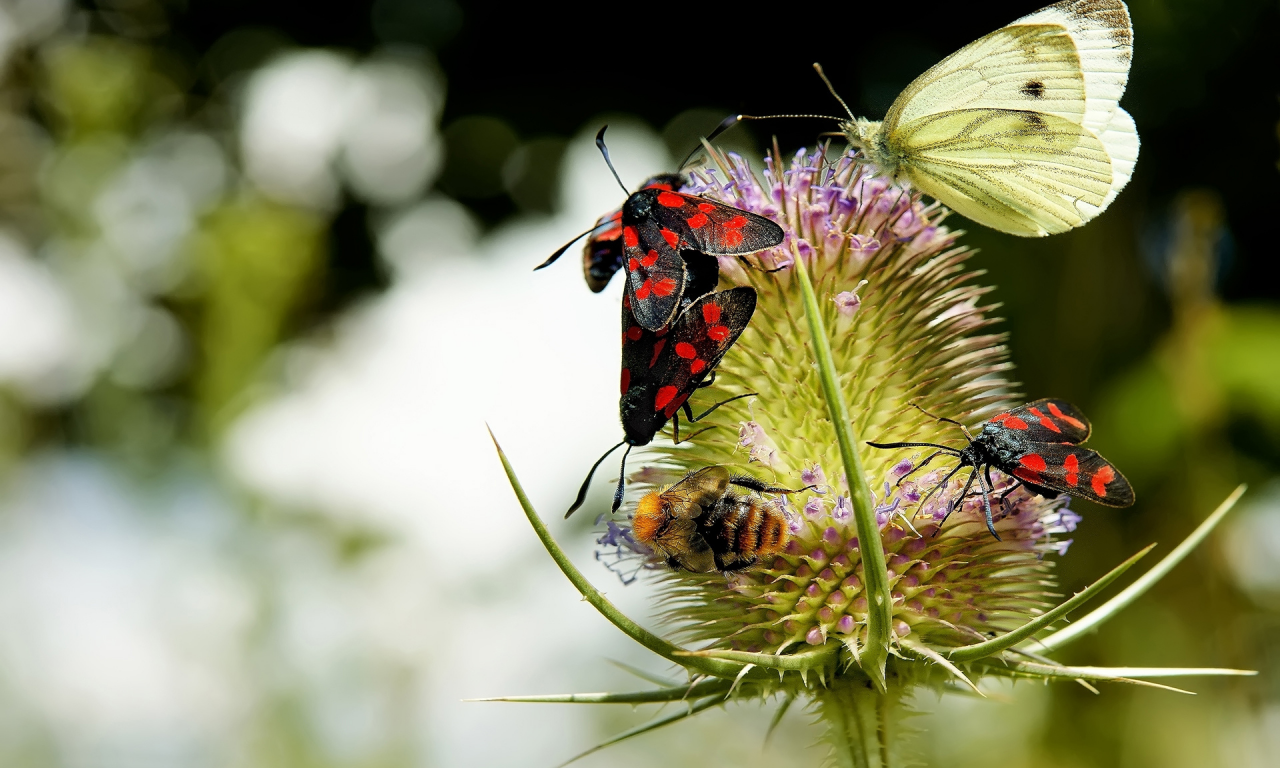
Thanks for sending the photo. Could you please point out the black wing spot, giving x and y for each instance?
(1033, 89)
(1034, 122)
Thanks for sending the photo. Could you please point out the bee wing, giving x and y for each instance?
(685, 548)
(1047, 421)
(699, 489)
(1076, 471)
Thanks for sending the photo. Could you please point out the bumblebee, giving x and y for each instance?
(701, 524)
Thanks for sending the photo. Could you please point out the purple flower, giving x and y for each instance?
(847, 303)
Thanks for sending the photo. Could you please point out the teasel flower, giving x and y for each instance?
(867, 316)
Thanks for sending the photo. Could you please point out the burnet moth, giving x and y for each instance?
(603, 256)
(1037, 443)
(661, 369)
(658, 226)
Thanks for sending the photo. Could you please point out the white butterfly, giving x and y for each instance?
(1020, 130)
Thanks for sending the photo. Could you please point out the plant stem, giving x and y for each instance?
(852, 712)
(874, 655)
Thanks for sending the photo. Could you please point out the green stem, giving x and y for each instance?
(876, 651)
(1139, 587)
(598, 601)
(857, 717)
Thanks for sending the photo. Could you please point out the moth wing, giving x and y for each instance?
(713, 227)
(655, 272)
(1103, 38)
(603, 253)
(1076, 471)
(1047, 421)
(698, 341)
(1024, 173)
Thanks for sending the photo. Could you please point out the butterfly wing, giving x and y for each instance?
(655, 271)
(1076, 471)
(1046, 421)
(1024, 173)
(713, 227)
(1021, 130)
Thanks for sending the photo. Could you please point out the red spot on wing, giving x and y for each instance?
(697, 366)
(672, 238)
(629, 237)
(733, 238)
(718, 332)
(632, 264)
(1045, 421)
(650, 259)
(664, 398)
(1056, 411)
(634, 333)
(686, 350)
(1028, 475)
(657, 350)
(626, 380)
(674, 405)
(660, 185)
(1072, 465)
(737, 222)
(706, 207)
(711, 312)
(1033, 462)
(1100, 479)
(697, 221)
(670, 200)
(642, 292)
(1013, 422)
(664, 287)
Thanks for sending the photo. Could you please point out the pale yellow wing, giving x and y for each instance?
(1103, 39)
(1024, 173)
(1029, 67)
(1120, 137)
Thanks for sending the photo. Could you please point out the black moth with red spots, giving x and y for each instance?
(660, 229)
(1037, 443)
(602, 256)
(661, 369)
(657, 226)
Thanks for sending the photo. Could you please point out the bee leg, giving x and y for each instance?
(759, 486)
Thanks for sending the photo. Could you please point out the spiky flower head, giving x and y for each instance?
(889, 578)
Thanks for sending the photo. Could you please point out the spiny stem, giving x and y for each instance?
(599, 601)
(876, 651)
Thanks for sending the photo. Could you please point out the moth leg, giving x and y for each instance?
(934, 489)
(960, 500)
(710, 380)
(704, 414)
(918, 467)
(985, 484)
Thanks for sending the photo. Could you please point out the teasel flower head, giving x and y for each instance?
(867, 317)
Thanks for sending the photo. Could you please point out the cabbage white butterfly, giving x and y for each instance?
(1021, 129)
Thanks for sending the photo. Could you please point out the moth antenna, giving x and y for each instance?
(724, 125)
(605, 151)
(582, 492)
(622, 479)
(818, 68)
(943, 418)
(560, 251)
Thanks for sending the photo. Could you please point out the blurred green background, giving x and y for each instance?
(264, 276)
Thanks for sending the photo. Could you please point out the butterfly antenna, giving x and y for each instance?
(605, 151)
(582, 492)
(560, 251)
(622, 479)
(818, 68)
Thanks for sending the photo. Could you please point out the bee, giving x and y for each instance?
(701, 524)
